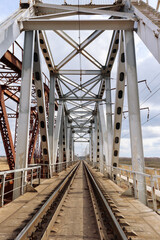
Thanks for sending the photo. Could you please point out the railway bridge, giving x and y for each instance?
(60, 96)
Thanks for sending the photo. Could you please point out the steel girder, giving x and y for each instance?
(22, 20)
(25, 102)
(134, 115)
(39, 86)
(6, 132)
(51, 119)
(119, 99)
(10, 29)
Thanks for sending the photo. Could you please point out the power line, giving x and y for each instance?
(150, 96)
(151, 119)
(144, 123)
(151, 81)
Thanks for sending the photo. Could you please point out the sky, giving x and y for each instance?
(147, 68)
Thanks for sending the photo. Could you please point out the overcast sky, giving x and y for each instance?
(147, 68)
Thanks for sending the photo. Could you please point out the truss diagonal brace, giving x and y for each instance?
(119, 99)
(10, 29)
(24, 110)
(41, 103)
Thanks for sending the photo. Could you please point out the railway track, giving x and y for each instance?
(77, 209)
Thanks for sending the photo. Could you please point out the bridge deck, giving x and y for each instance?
(76, 219)
(16, 214)
(141, 220)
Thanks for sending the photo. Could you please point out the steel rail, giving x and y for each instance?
(112, 216)
(24, 232)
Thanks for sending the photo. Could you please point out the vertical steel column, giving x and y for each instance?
(134, 115)
(70, 145)
(64, 136)
(99, 146)
(39, 86)
(25, 102)
(95, 134)
(92, 131)
(119, 99)
(24, 110)
(101, 151)
(73, 150)
(51, 113)
(90, 147)
(103, 130)
(61, 145)
(109, 120)
(57, 131)
(68, 138)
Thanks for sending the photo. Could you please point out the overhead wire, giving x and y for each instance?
(154, 78)
(148, 96)
(79, 39)
(145, 123)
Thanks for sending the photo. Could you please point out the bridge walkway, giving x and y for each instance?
(76, 218)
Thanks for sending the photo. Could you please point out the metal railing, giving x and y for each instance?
(51, 169)
(25, 177)
(130, 179)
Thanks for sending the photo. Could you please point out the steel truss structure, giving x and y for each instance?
(80, 113)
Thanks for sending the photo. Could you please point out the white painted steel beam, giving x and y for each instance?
(95, 135)
(81, 106)
(148, 31)
(112, 52)
(79, 48)
(84, 116)
(109, 24)
(51, 113)
(24, 109)
(91, 38)
(66, 85)
(85, 84)
(55, 15)
(80, 112)
(67, 38)
(103, 129)
(68, 138)
(100, 142)
(119, 99)
(80, 99)
(78, 72)
(25, 102)
(10, 29)
(77, 87)
(60, 142)
(67, 59)
(53, 8)
(134, 116)
(57, 131)
(91, 59)
(42, 116)
(91, 88)
(109, 119)
(44, 44)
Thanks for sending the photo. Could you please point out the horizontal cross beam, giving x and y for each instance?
(109, 24)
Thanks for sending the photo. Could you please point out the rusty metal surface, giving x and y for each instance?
(6, 132)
